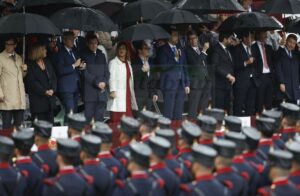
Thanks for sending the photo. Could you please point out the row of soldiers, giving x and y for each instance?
(200, 158)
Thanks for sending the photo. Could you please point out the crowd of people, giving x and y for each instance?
(216, 155)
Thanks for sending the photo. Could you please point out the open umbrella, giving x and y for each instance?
(281, 7)
(228, 24)
(25, 23)
(144, 31)
(46, 7)
(144, 10)
(210, 6)
(256, 21)
(109, 7)
(176, 16)
(84, 19)
(294, 26)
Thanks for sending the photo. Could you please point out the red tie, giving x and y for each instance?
(265, 56)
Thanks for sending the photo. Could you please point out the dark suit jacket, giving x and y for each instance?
(197, 68)
(67, 77)
(37, 83)
(141, 79)
(96, 71)
(242, 73)
(222, 65)
(258, 62)
(171, 70)
(287, 73)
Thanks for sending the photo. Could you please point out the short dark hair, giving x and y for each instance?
(68, 34)
(138, 45)
(90, 37)
(292, 36)
(192, 32)
(224, 35)
(11, 38)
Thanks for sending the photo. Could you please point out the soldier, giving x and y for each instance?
(76, 125)
(172, 163)
(139, 183)
(45, 158)
(23, 141)
(204, 183)
(290, 115)
(158, 168)
(250, 175)
(276, 115)
(208, 127)
(102, 177)
(224, 171)
(164, 123)
(219, 115)
(105, 157)
(266, 126)
(14, 183)
(294, 148)
(233, 123)
(129, 129)
(68, 181)
(188, 134)
(148, 122)
(280, 164)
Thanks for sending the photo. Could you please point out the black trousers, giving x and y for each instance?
(198, 100)
(244, 100)
(17, 116)
(47, 116)
(264, 96)
(94, 110)
(223, 99)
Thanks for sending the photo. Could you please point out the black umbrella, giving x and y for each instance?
(25, 23)
(281, 7)
(109, 7)
(175, 16)
(211, 6)
(46, 7)
(84, 19)
(144, 10)
(294, 26)
(228, 24)
(256, 21)
(144, 31)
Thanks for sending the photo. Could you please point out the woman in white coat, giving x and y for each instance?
(122, 98)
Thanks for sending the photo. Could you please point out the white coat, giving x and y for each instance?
(117, 83)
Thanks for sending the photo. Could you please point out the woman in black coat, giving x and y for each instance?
(41, 84)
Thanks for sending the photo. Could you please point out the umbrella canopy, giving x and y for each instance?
(144, 31)
(46, 7)
(281, 7)
(211, 6)
(175, 16)
(109, 7)
(228, 24)
(26, 23)
(84, 19)
(144, 10)
(256, 21)
(294, 26)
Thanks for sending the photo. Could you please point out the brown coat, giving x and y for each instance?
(12, 89)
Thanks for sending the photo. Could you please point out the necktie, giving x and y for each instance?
(265, 61)
(290, 53)
(248, 52)
(72, 54)
(228, 53)
(13, 57)
(198, 51)
(174, 50)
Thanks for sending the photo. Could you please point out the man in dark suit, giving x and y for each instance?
(263, 55)
(222, 63)
(144, 78)
(79, 42)
(287, 71)
(198, 74)
(174, 82)
(68, 78)
(245, 74)
(96, 77)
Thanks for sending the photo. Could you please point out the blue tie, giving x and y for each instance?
(72, 54)
(174, 50)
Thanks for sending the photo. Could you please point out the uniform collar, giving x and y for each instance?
(139, 175)
(91, 162)
(76, 138)
(205, 141)
(145, 137)
(185, 150)
(67, 170)
(224, 170)
(265, 142)
(126, 143)
(4, 165)
(105, 154)
(249, 154)
(276, 136)
(219, 133)
(24, 159)
(295, 173)
(288, 130)
(156, 166)
(238, 159)
(43, 147)
(280, 182)
(204, 177)
(170, 157)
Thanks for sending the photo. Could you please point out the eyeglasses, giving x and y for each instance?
(10, 44)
